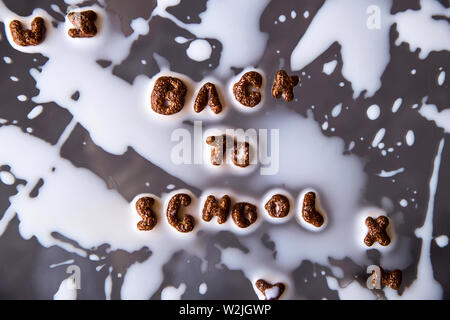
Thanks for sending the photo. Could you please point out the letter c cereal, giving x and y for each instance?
(187, 223)
(243, 92)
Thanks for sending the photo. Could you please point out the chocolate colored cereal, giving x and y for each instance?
(284, 86)
(377, 231)
(243, 89)
(391, 279)
(220, 209)
(263, 285)
(244, 214)
(168, 95)
(188, 222)
(208, 96)
(309, 212)
(144, 209)
(219, 146)
(84, 23)
(241, 154)
(278, 206)
(26, 37)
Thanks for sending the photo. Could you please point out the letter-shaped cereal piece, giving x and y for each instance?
(377, 231)
(26, 37)
(278, 206)
(243, 92)
(220, 209)
(309, 212)
(244, 214)
(168, 95)
(207, 95)
(84, 23)
(241, 154)
(270, 291)
(218, 150)
(391, 279)
(187, 223)
(144, 209)
(284, 86)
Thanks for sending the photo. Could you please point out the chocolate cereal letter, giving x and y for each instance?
(26, 37)
(244, 92)
(182, 225)
(168, 95)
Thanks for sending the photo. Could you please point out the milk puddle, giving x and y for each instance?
(77, 204)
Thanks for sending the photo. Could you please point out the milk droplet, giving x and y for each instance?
(409, 138)
(403, 202)
(202, 288)
(181, 40)
(397, 104)
(373, 112)
(36, 111)
(351, 145)
(7, 177)
(22, 98)
(441, 78)
(94, 257)
(378, 137)
(329, 67)
(386, 174)
(441, 241)
(199, 50)
(140, 26)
